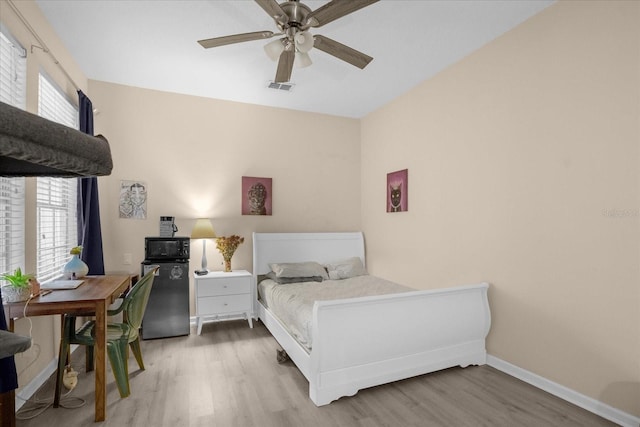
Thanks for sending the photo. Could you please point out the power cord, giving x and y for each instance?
(36, 347)
(70, 380)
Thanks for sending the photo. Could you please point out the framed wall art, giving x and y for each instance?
(398, 191)
(133, 200)
(257, 196)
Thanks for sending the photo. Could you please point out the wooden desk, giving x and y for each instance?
(94, 295)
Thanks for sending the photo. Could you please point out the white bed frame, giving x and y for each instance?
(368, 341)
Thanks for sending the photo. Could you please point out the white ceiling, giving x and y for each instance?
(153, 44)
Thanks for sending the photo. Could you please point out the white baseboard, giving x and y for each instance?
(30, 389)
(33, 386)
(602, 409)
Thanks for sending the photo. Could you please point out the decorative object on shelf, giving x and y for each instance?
(227, 246)
(398, 191)
(75, 268)
(257, 196)
(19, 288)
(203, 229)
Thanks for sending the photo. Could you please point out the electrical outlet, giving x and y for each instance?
(126, 259)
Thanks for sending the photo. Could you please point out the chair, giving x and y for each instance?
(118, 336)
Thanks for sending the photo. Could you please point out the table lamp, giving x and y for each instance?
(203, 229)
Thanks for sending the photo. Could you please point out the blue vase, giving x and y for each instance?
(75, 268)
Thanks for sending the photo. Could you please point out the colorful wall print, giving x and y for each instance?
(133, 200)
(398, 191)
(257, 196)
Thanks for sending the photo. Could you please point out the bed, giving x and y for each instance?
(403, 334)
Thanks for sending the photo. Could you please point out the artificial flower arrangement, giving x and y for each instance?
(17, 279)
(227, 247)
(19, 287)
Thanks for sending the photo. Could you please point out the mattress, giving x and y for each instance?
(292, 303)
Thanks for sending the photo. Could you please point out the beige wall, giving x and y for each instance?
(192, 153)
(45, 330)
(523, 172)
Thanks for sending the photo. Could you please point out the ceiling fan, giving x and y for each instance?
(294, 19)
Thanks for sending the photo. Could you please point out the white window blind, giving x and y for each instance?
(13, 62)
(12, 91)
(56, 197)
(11, 224)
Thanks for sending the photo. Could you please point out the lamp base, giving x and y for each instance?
(201, 272)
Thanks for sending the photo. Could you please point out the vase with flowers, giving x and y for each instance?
(75, 268)
(227, 247)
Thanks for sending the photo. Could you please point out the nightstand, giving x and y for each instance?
(221, 296)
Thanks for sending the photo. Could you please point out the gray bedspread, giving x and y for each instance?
(292, 304)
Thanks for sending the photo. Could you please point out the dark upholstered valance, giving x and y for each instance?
(33, 146)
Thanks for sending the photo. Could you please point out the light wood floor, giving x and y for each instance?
(229, 376)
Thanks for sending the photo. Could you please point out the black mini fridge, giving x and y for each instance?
(167, 313)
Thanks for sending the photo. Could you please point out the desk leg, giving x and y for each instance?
(100, 360)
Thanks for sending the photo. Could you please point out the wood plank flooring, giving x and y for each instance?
(229, 377)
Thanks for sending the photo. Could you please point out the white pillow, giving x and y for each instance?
(299, 269)
(351, 267)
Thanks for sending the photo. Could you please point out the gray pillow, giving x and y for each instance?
(351, 267)
(286, 280)
(299, 269)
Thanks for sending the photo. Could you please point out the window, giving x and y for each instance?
(12, 91)
(56, 198)
(13, 62)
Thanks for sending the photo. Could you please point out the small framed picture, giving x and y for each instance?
(133, 200)
(257, 196)
(398, 191)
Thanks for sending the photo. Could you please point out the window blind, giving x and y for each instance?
(13, 61)
(56, 198)
(12, 91)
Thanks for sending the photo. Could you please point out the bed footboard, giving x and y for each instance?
(363, 342)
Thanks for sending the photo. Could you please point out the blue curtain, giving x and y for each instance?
(89, 231)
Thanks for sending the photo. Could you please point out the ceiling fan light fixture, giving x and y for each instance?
(304, 41)
(274, 49)
(303, 60)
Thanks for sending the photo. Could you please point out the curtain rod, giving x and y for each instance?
(43, 45)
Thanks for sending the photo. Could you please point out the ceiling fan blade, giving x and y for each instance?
(274, 10)
(335, 9)
(285, 65)
(341, 51)
(236, 38)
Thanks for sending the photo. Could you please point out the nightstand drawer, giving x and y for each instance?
(224, 304)
(224, 296)
(231, 286)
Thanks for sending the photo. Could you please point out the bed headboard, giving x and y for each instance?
(300, 247)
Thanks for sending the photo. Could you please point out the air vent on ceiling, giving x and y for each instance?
(287, 87)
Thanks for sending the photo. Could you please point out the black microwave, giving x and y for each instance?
(170, 248)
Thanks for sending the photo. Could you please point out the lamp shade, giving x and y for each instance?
(274, 49)
(203, 229)
(304, 41)
(302, 60)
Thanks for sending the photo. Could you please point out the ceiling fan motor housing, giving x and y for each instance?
(296, 13)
